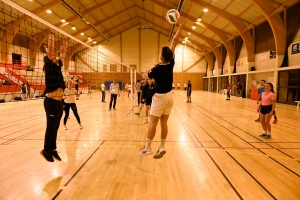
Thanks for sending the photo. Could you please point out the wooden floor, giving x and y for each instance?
(213, 152)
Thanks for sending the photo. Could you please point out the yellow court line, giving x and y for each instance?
(210, 149)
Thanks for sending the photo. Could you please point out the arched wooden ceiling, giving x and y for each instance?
(224, 20)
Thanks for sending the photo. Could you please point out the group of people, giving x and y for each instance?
(157, 97)
(267, 102)
(25, 90)
(178, 86)
(161, 101)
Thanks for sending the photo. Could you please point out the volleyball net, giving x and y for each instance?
(24, 44)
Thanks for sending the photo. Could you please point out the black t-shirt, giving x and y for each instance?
(189, 88)
(53, 75)
(148, 91)
(163, 76)
(142, 87)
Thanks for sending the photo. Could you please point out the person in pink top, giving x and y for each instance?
(266, 109)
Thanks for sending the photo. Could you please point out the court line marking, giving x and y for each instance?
(200, 148)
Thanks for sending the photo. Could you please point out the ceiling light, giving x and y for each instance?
(183, 42)
(49, 11)
(89, 38)
(189, 33)
(81, 33)
(74, 28)
(205, 9)
(186, 38)
(63, 20)
(193, 27)
(199, 20)
(95, 42)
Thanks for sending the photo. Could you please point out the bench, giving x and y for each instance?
(298, 103)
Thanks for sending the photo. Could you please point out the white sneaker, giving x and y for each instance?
(145, 152)
(146, 121)
(65, 127)
(80, 126)
(160, 153)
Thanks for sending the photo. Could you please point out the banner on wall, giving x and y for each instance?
(272, 54)
(295, 48)
(262, 56)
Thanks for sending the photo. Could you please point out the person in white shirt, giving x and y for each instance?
(70, 95)
(114, 90)
(103, 92)
(129, 86)
(138, 91)
(178, 85)
(184, 86)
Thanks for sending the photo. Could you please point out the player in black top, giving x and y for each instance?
(162, 101)
(189, 92)
(147, 94)
(143, 83)
(54, 92)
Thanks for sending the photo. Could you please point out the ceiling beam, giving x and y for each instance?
(77, 33)
(276, 24)
(237, 23)
(95, 37)
(46, 7)
(86, 12)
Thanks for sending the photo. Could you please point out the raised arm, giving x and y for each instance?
(177, 36)
(51, 50)
(63, 49)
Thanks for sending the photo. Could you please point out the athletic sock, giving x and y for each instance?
(148, 143)
(162, 143)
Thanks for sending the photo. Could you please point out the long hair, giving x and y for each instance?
(272, 87)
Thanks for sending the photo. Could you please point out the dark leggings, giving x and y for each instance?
(139, 97)
(54, 112)
(67, 111)
(113, 98)
(228, 94)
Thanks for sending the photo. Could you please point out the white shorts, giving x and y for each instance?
(161, 104)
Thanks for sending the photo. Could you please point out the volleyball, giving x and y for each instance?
(172, 16)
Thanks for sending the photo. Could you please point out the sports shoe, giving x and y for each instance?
(109, 109)
(55, 155)
(267, 136)
(263, 135)
(275, 121)
(65, 127)
(257, 120)
(47, 156)
(145, 152)
(80, 126)
(137, 113)
(187, 101)
(115, 109)
(160, 153)
(146, 121)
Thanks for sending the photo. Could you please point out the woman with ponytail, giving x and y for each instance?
(266, 109)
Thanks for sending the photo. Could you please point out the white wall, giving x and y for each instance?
(244, 60)
(142, 48)
(267, 76)
(264, 64)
